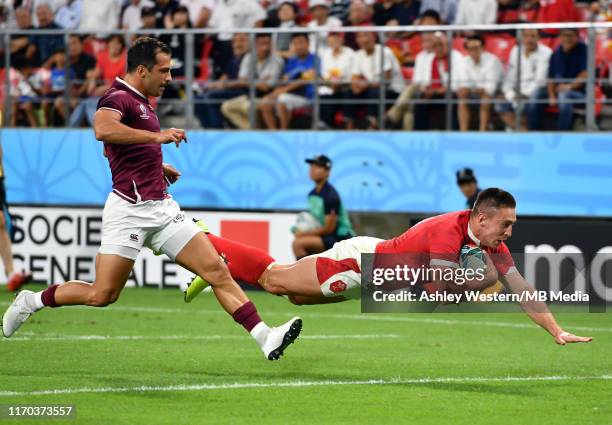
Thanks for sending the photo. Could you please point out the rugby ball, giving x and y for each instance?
(472, 257)
(305, 222)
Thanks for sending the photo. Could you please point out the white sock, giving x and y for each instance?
(260, 333)
(34, 301)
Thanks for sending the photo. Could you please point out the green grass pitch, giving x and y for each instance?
(151, 359)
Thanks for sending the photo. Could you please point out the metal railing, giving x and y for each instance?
(189, 99)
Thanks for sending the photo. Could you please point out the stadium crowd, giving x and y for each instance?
(410, 88)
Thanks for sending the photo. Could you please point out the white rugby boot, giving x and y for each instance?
(278, 339)
(17, 313)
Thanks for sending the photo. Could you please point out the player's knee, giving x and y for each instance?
(102, 298)
(275, 285)
(215, 272)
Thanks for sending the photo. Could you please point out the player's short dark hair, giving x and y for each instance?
(493, 198)
(430, 13)
(144, 51)
(298, 35)
(263, 35)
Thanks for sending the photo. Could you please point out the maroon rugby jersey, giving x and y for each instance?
(136, 169)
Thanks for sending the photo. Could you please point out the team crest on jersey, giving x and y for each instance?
(338, 286)
(145, 114)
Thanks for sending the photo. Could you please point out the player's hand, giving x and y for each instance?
(563, 338)
(172, 135)
(172, 174)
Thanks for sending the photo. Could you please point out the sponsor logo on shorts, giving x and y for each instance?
(179, 217)
(134, 237)
(337, 286)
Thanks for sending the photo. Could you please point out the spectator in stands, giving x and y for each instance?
(69, 15)
(164, 9)
(368, 76)
(177, 42)
(81, 66)
(396, 12)
(446, 9)
(43, 46)
(567, 74)
(200, 11)
(359, 15)
(54, 75)
(232, 14)
(20, 42)
(340, 9)
(468, 185)
(535, 59)
(33, 6)
(264, 74)
(319, 9)
(7, 15)
(337, 66)
(551, 11)
(432, 82)
(149, 21)
(476, 12)
(402, 110)
(482, 73)
(297, 89)
(384, 12)
(227, 87)
(132, 15)
(23, 95)
(287, 13)
(111, 63)
(99, 16)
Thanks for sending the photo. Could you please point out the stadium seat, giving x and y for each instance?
(500, 46)
(458, 44)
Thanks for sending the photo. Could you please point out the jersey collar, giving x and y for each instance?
(472, 236)
(129, 86)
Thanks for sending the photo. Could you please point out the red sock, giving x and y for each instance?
(245, 263)
(48, 296)
(247, 316)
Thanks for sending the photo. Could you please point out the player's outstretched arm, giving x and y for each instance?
(538, 311)
(109, 128)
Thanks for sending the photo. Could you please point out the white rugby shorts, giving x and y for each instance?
(339, 268)
(158, 225)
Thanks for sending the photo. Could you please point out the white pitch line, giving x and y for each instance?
(47, 337)
(298, 384)
(371, 316)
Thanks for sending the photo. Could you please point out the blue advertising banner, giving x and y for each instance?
(549, 173)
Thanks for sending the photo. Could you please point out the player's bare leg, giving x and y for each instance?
(298, 279)
(112, 272)
(15, 279)
(200, 257)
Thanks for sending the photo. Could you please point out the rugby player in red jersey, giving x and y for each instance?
(139, 212)
(436, 242)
